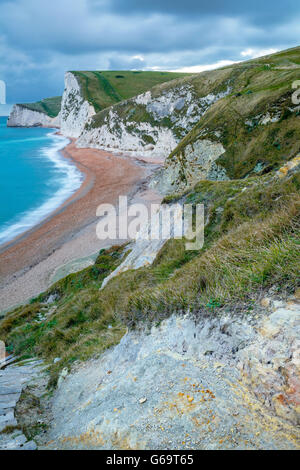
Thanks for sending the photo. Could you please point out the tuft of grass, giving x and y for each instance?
(10, 429)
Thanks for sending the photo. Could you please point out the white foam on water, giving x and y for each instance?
(69, 178)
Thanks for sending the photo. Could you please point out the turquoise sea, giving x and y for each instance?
(34, 177)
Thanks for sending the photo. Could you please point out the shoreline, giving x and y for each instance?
(28, 262)
(23, 235)
(83, 188)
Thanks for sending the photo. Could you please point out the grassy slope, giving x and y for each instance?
(251, 244)
(106, 88)
(79, 324)
(49, 106)
(207, 82)
(262, 86)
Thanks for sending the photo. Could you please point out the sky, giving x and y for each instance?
(41, 39)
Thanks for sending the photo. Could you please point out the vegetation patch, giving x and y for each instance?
(49, 106)
(75, 326)
(10, 429)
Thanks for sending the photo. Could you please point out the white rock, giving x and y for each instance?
(179, 105)
(24, 117)
(75, 111)
(62, 376)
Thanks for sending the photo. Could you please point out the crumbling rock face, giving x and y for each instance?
(198, 162)
(226, 381)
(168, 118)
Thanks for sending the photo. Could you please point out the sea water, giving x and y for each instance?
(35, 178)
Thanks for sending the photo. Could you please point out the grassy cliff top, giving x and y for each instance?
(105, 88)
(49, 106)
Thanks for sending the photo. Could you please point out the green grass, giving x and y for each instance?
(49, 106)
(10, 429)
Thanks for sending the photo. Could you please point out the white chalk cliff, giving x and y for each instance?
(75, 110)
(21, 116)
(169, 115)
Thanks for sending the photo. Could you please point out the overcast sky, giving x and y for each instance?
(41, 39)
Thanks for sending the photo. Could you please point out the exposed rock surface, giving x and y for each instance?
(197, 163)
(118, 135)
(290, 167)
(170, 115)
(75, 110)
(180, 386)
(272, 367)
(13, 380)
(23, 117)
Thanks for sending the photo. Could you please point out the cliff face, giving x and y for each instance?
(75, 110)
(153, 123)
(186, 375)
(250, 132)
(85, 94)
(198, 163)
(24, 117)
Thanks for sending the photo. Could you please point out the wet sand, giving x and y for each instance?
(28, 263)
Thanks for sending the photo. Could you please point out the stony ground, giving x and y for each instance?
(13, 381)
(179, 386)
(226, 381)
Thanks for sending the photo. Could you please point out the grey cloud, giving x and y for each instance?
(261, 10)
(39, 41)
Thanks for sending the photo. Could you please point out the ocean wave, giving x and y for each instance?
(69, 179)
